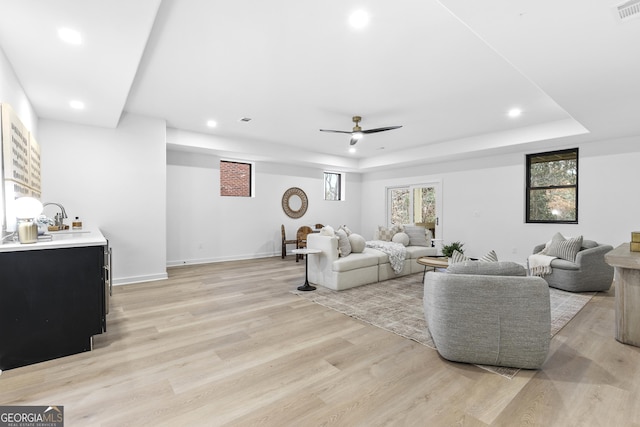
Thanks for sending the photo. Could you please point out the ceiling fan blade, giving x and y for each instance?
(380, 129)
(336, 131)
(353, 141)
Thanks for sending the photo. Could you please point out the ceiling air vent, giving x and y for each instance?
(628, 10)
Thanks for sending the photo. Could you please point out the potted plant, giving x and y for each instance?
(447, 250)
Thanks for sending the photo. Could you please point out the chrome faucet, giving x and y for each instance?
(59, 219)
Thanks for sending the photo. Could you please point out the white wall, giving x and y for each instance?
(11, 92)
(483, 199)
(113, 179)
(204, 227)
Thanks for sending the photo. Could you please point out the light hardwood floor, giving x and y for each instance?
(228, 344)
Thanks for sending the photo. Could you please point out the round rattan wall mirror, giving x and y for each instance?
(294, 202)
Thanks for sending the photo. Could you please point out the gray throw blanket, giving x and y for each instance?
(396, 252)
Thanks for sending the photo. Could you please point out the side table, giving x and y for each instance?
(626, 280)
(306, 251)
(433, 262)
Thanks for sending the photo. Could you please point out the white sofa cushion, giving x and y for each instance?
(415, 252)
(367, 258)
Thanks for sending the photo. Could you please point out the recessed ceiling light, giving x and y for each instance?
(212, 123)
(76, 105)
(352, 149)
(359, 19)
(70, 35)
(515, 112)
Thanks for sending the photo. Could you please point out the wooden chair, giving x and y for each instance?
(286, 242)
(301, 239)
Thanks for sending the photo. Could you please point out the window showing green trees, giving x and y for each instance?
(423, 205)
(400, 206)
(552, 187)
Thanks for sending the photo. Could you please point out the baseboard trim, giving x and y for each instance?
(139, 279)
(177, 263)
(164, 276)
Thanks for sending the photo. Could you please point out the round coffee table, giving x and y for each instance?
(306, 251)
(433, 262)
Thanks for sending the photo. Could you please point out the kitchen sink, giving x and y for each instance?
(54, 233)
(63, 235)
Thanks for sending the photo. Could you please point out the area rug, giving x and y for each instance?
(396, 306)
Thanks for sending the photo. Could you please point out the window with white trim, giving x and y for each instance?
(236, 178)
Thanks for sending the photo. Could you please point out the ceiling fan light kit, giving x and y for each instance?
(357, 132)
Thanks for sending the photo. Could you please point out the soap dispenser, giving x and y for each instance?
(76, 224)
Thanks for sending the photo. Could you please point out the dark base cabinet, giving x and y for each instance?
(52, 302)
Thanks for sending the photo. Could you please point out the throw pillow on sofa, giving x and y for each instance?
(417, 235)
(344, 246)
(386, 234)
(563, 248)
(327, 230)
(401, 238)
(458, 257)
(346, 229)
(357, 243)
(491, 256)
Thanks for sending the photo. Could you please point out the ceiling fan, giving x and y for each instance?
(358, 132)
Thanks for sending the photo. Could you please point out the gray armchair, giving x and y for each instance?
(589, 272)
(489, 320)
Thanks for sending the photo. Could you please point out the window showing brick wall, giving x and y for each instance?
(235, 179)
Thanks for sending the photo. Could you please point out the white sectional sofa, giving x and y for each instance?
(330, 270)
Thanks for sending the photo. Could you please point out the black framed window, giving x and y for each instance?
(552, 187)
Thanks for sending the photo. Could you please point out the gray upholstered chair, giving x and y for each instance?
(489, 319)
(589, 272)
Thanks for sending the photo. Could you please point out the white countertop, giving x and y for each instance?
(60, 239)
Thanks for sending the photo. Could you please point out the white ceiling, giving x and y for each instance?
(447, 71)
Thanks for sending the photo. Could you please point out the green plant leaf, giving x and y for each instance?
(447, 250)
